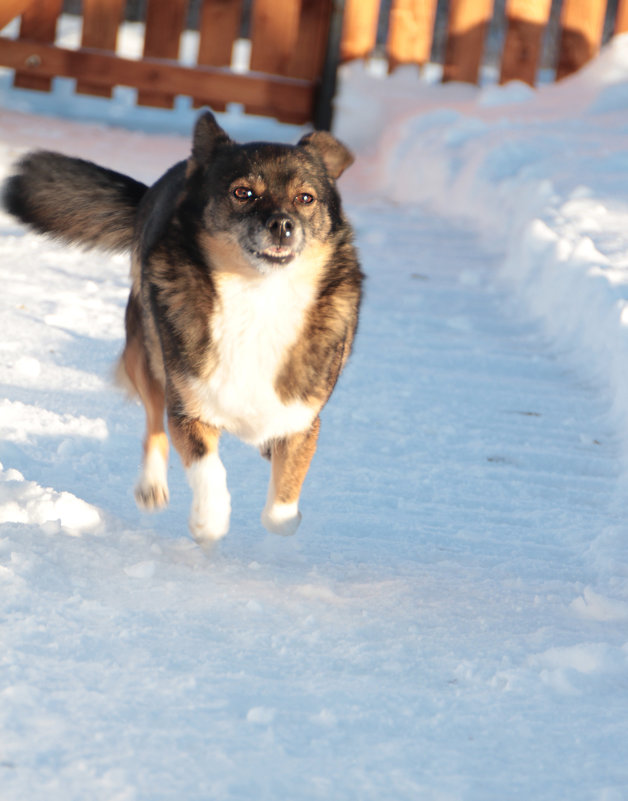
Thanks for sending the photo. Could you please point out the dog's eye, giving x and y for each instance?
(243, 193)
(304, 198)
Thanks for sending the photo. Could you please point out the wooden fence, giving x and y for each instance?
(295, 46)
(288, 48)
(411, 33)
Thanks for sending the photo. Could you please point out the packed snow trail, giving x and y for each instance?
(444, 624)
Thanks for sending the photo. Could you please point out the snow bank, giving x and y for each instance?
(541, 175)
(26, 502)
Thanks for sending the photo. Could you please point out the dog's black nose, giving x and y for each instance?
(280, 226)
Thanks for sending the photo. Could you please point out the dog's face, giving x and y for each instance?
(265, 205)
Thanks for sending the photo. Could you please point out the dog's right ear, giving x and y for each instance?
(334, 154)
(207, 136)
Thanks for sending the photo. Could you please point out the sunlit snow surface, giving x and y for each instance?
(451, 621)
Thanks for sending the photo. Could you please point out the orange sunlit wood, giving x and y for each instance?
(526, 23)
(410, 32)
(466, 32)
(359, 32)
(581, 26)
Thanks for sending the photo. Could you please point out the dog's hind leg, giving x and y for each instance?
(151, 490)
(197, 444)
(290, 461)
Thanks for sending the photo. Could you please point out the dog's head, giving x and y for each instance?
(265, 205)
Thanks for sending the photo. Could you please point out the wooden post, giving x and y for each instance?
(39, 22)
(410, 32)
(466, 31)
(581, 23)
(323, 111)
(526, 23)
(162, 38)
(101, 20)
(359, 31)
(219, 27)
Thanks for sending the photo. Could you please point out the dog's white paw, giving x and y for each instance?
(281, 518)
(211, 504)
(151, 497)
(210, 521)
(151, 490)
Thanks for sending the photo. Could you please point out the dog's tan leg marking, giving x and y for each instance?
(151, 491)
(197, 444)
(291, 458)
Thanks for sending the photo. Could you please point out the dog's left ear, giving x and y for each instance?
(335, 155)
(207, 136)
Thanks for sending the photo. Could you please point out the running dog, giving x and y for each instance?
(244, 301)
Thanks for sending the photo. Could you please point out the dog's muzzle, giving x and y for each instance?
(279, 240)
(281, 228)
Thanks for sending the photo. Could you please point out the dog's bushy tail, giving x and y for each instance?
(74, 200)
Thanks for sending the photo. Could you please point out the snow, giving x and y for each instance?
(451, 621)
(540, 176)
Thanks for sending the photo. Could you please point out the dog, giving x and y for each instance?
(244, 301)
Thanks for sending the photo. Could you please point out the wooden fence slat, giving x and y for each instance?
(101, 20)
(309, 54)
(219, 27)
(359, 31)
(621, 19)
(274, 34)
(526, 23)
(581, 23)
(162, 38)
(288, 99)
(466, 31)
(410, 32)
(10, 9)
(39, 22)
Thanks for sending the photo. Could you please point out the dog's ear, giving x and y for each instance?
(207, 136)
(335, 155)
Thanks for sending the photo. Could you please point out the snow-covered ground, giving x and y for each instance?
(451, 621)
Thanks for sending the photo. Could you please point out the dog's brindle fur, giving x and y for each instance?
(243, 305)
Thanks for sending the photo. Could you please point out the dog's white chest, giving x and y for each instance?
(254, 325)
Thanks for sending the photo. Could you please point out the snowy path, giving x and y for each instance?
(439, 628)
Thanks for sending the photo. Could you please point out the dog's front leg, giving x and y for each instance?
(290, 461)
(197, 444)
